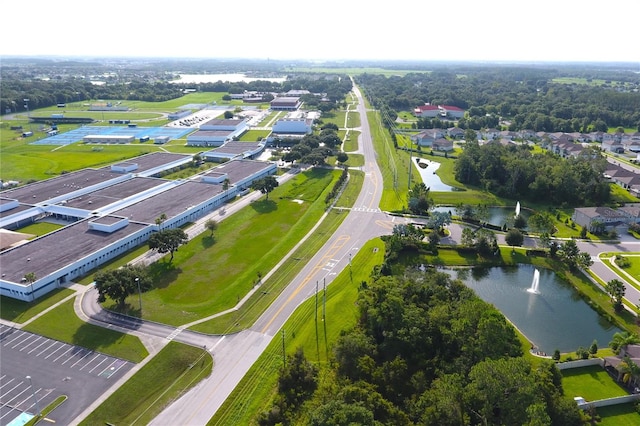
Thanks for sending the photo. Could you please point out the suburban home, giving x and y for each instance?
(527, 134)
(564, 148)
(633, 143)
(598, 219)
(507, 134)
(442, 144)
(613, 145)
(426, 138)
(455, 133)
(489, 134)
(616, 364)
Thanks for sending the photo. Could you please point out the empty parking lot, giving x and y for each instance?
(55, 368)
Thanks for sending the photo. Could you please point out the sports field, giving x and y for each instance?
(76, 135)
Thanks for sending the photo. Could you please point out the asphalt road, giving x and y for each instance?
(235, 354)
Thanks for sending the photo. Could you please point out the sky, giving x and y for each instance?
(426, 30)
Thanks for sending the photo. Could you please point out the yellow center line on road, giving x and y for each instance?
(340, 242)
(374, 180)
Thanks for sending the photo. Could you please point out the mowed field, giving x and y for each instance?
(21, 161)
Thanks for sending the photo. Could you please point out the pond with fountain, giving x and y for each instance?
(546, 309)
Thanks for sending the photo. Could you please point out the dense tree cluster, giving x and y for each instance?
(513, 172)
(313, 148)
(427, 351)
(47, 83)
(527, 97)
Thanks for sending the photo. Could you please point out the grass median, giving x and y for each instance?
(62, 324)
(173, 371)
(305, 329)
(212, 273)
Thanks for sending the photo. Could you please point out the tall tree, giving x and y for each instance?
(514, 237)
(168, 241)
(211, 226)
(265, 184)
(119, 283)
(419, 199)
(616, 290)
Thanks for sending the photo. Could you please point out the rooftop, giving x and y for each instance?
(48, 253)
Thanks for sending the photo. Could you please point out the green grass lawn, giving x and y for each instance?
(619, 415)
(26, 163)
(253, 394)
(209, 275)
(19, 311)
(40, 228)
(355, 160)
(591, 383)
(173, 371)
(351, 144)
(254, 135)
(62, 324)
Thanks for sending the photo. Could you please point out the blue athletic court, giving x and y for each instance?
(76, 135)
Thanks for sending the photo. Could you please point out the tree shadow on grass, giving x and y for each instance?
(93, 337)
(163, 273)
(264, 206)
(208, 241)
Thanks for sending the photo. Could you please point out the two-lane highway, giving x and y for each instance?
(234, 355)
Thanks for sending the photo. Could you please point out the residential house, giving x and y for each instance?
(455, 133)
(613, 145)
(442, 144)
(426, 138)
(489, 134)
(598, 219)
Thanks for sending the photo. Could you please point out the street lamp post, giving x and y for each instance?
(139, 294)
(35, 398)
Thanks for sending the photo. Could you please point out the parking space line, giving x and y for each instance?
(23, 341)
(47, 357)
(72, 356)
(18, 334)
(23, 391)
(39, 337)
(43, 343)
(89, 363)
(47, 348)
(4, 384)
(29, 336)
(99, 364)
(60, 356)
(74, 364)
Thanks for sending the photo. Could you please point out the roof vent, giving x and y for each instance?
(28, 259)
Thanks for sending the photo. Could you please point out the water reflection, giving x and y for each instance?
(556, 318)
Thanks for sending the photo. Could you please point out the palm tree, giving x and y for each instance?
(630, 371)
(622, 339)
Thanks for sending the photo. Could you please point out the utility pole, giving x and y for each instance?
(284, 355)
(139, 295)
(324, 299)
(35, 398)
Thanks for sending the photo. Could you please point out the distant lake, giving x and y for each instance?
(233, 78)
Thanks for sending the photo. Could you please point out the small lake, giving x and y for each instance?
(555, 318)
(498, 216)
(427, 170)
(233, 78)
